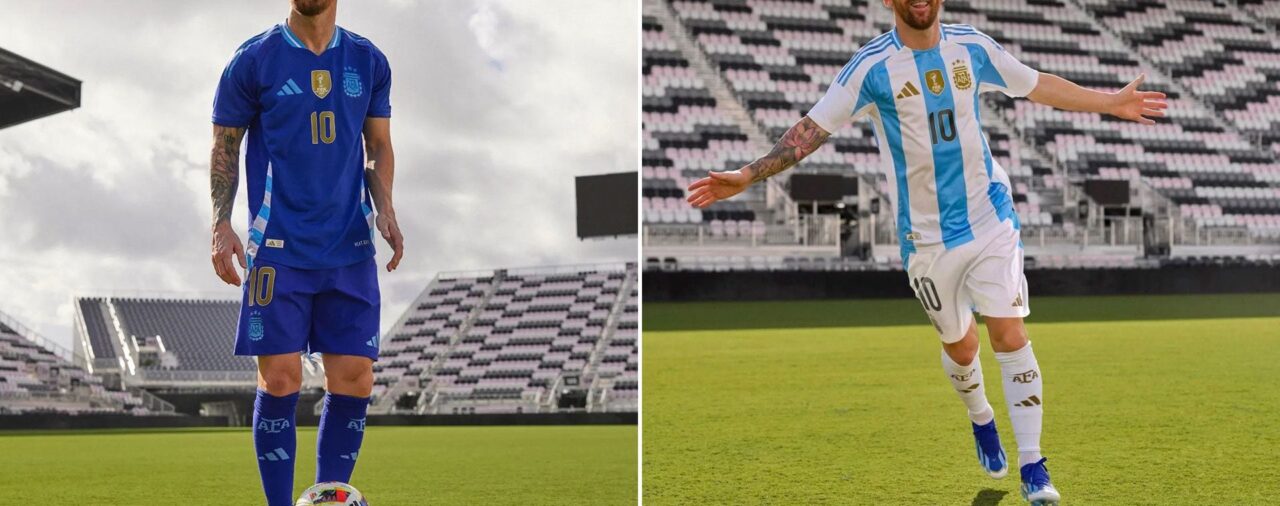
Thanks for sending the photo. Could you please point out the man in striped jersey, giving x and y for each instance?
(918, 85)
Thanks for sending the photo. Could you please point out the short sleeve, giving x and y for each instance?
(842, 104)
(235, 103)
(1003, 72)
(380, 98)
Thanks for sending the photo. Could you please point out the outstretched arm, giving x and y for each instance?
(379, 174)
(800, 141)
(224, 179)
(1128, 103)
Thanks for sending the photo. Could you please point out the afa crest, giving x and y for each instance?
(351, 82)
(256, 330)
(934, 81)
(321, 83)
(960, 75)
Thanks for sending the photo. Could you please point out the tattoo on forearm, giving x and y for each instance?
(800, 141)
(224, 171)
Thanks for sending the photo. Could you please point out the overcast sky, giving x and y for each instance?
(496, 106)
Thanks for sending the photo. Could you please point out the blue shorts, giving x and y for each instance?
(331, 311)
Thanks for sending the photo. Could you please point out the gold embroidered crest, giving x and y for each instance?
(933, 79)
(321, 83)
(960, 75)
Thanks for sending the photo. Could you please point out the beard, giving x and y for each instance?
(311, 8)
(915, 20)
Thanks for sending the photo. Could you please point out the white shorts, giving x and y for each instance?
(983, 275)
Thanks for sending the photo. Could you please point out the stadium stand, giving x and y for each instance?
(1203, 182)
(37, 375)
(161, 341)
(513, 340)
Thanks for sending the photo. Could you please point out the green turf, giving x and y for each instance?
(398, 466)
(1136, 412)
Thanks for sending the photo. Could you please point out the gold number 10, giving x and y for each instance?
(262, 283)
(322, 127)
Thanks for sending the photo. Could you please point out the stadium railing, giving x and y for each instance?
(33, 336)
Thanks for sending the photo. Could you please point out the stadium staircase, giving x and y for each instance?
(479, 328)
(602, 383)
(385, 402)
(726, 103)
(771, 203)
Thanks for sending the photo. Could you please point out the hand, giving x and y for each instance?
(226, 244)
(390, 231)
(1139, 106)
(718, 186)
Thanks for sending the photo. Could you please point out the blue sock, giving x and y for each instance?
(275, 437)
(341, 432)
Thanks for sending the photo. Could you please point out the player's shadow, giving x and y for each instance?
(989, 497)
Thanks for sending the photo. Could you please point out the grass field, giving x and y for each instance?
(1148, 400)
(398, 466)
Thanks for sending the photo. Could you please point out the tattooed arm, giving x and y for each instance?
(379, 174)
(224, 179)
(800, 141)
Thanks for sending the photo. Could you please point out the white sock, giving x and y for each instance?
(1024, 393)
(967, 380)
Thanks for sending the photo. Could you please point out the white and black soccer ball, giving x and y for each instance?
(332, 493)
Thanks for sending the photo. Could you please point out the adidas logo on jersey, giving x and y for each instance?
(289, 88)
(908, 90)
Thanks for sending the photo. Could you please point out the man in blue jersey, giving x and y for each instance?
(918, 85)
(314, 101)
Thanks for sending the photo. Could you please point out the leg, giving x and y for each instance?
(1023, 386)
(999, 291)
(275, 319)
(960, 362)
(274, 421)
(346, 331)
(935, 277)
(349, 381)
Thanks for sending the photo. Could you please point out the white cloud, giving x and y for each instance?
(114, 196)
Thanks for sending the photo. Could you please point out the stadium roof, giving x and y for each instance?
(29, 90)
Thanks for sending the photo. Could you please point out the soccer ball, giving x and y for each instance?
(332, 493)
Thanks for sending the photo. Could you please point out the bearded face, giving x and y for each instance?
(918, 14)
(311, 7)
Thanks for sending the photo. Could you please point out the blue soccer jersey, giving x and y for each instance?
(944, 185)
(304, 162)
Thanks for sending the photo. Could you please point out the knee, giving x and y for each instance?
(280, 381)
(964, 351)
(354, 381)
(1007, 336)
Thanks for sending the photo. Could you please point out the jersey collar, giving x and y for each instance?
(294, 41)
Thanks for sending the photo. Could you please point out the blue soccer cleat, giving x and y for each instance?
(1036, 488)
(990, 453)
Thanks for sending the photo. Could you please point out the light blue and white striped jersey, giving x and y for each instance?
(943, 183)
